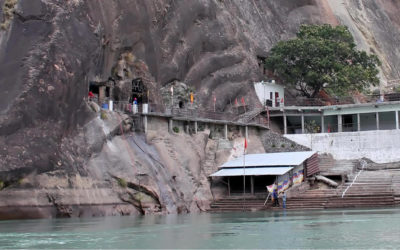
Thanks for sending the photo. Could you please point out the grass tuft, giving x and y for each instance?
(122, 182)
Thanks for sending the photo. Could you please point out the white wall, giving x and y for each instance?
(263, 90)
(379, 146)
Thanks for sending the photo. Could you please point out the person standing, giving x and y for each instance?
(284, 200)
(91, 96)
(135, 105)
(275, 195)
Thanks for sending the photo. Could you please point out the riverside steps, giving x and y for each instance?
(371, 189)
(238, 204)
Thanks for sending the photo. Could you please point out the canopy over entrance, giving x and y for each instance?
(270, 159)
(265, 169)
(252, 171)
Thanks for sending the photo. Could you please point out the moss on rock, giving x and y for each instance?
(8, 13)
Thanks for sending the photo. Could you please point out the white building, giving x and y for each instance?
(270, 93)
(349, 131)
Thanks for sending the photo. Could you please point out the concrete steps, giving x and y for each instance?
(338, 202)
(397, 200)
(209, 166)
(237, 204)
(370, 189)
(361, 201)
(249, 115)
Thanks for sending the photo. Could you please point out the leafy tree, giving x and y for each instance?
(323, 57)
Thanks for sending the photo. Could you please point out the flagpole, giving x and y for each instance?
(172, 99)
(244, 173)
(215, 100)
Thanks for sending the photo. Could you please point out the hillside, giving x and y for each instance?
(56, 151)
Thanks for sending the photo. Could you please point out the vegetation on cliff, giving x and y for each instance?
(8, 13)
(323, 57)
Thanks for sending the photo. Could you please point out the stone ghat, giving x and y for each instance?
(371, 189)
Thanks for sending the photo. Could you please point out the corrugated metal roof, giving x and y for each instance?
(252, 171)
(270, 159)
(312, 165)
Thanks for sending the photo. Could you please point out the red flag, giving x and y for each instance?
(236, 102)
(243, 101)
(245, 143)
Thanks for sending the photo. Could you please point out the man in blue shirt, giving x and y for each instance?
(275, 195)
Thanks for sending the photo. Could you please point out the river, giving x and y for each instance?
(372, 228)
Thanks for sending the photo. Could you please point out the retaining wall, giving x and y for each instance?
(380, 146)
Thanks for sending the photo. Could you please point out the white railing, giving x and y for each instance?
(363, 164)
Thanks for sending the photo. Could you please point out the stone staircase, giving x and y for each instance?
(379, 188)
(249, 115)
(209, 166)
(311, 199)
(371, 189)
(396, 186)
(233, 204)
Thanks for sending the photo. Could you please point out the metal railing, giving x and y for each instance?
(333, 127)
(158, 109)
(328, 101)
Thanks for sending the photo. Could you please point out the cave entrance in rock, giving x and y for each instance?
(139, 91)
(101, 90)
(94, 88)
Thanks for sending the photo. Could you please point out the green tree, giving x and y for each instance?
(323, 57)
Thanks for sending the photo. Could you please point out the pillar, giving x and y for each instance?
(252, 184)
(340, 124)
(102, 94)
(170, 124)
(195, 127)
(377, 120)
(226, 131)
(145, 123)
(358, 122)
(302, 124)
(246, 132)
(229, 186)
(187, 128)
(111, 105)
(397, 119)
(322, 123)
(284, 124)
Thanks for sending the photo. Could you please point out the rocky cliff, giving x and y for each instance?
(54, 150)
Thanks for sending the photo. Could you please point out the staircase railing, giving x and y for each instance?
(363, 164)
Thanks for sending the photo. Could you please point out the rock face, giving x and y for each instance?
(52, 49)
(376, 28)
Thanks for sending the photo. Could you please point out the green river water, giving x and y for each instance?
(372, 228)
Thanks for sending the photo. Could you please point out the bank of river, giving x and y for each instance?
(372, 228)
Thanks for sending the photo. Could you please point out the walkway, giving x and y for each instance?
(194, 115)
